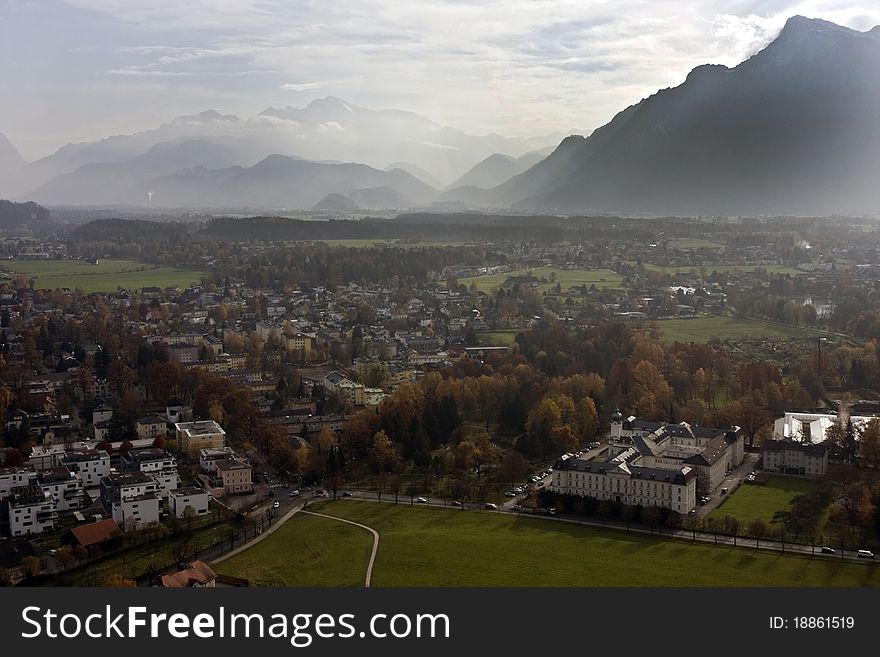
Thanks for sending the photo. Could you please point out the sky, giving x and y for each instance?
(79, 70)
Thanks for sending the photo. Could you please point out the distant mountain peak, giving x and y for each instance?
(208, 116)
(706, 71)
(9, 155)
(801, 27)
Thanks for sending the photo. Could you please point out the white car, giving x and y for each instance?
(276, 505)
(510, 493)
(420, 500)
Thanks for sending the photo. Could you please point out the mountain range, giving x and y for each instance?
(794, 129)
(327, 130)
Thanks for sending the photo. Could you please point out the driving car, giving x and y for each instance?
(346, 493)
(276, 505)
(491, 507)
(455, 503)
(828, 550)
(420, 500)
(510, 493)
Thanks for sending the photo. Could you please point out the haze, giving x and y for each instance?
(80, 70)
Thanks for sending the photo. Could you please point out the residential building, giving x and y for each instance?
(131, 498)
(92, 465)
(195, 436)
(236, 476)
(157, 463)
(102, 413)
(151, 426)
(791, 457)
(193, 497)
(62, 484)
(31, 511)
(210, 457)
(198, 574)
(16, 476)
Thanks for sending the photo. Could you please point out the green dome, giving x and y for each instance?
(617, 416)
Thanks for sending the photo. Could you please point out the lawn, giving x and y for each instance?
(440, 547)
(565, 277)
(305, 551)
(694, 243)
(106, 276)
(751, 501)
(704, 328)
(497, 338)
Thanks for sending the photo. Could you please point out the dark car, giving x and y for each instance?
(345, 493)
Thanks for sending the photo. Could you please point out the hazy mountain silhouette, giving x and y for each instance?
(326, 130)
(793, 129)
(279, 182)
(496, 169)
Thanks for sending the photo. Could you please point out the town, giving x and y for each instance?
(172, 391)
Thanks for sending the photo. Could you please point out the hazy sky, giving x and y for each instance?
(78, 70)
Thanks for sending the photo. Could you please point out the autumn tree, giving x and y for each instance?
(384, 460)
(869, 443)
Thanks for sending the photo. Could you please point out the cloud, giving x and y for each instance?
(301, 86)
(515, 67)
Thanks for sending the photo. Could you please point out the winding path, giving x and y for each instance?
(357, 524)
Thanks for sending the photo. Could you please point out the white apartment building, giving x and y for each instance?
(131, 498)
(188, 496)
(31, 511)
(157, 463)
(92, 465)
(15, 477)
(62, 484)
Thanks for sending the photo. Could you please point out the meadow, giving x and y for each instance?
(421, 546)
(107, 276)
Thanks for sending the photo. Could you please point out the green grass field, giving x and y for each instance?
(305, 551)
(752, 501)
(694, 243)
(498, 338)
(106, 276)
(566, 278)
(441, 547)
(703, 329)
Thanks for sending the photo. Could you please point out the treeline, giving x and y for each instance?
(129, 230)
(332, 266)
(14, 214)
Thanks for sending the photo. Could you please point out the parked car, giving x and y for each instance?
(510, 493)
(455, 503)
(294, 493)
(276, 505)
(346, 493)
(866, 554)
(491, 507)
(724, 491)
(319, 493)
(828, 550)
